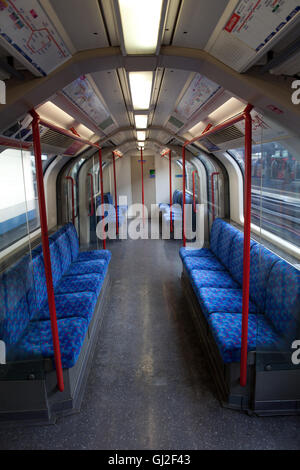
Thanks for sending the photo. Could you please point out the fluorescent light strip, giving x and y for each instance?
(141, 86)
(140, 23)
(141, 121)
(141, 135)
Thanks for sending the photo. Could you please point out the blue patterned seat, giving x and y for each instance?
(208, 278)
(209, 263)
(87, 267)
(283, 299)
(37, 341)
(214, 300)
(95, 254)
(80, 304)
(227, 329)
(198, 253)
(235, 263)
(83, 283)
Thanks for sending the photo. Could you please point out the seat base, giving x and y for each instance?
(28, 392)
(268, 392)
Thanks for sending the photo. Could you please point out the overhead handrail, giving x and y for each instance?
(194, 189)
(246, 116)
(46, 249)
(69, 178)
(91, 213)
(169, 152)
(213, 193)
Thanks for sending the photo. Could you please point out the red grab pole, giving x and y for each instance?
(116, 197)
(247, 233)
(92, 195)
(102, 194)
(213, 193)
(171, 195)
(143, 195)
(194, 190)
(183, 195)
(46, 249)
(73, 197)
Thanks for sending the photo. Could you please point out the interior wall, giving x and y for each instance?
(162, 179)
(123, 176)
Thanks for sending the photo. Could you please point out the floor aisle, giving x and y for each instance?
(149, 387)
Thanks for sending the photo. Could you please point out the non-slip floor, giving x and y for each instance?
(149, 387)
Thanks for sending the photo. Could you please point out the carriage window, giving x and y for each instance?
(275, 188)
(19, 212)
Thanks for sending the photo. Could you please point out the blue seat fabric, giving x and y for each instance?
(24, 312)
(216, 275)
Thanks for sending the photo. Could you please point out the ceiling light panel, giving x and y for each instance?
(140, 23)
(141, 135)
(141, 86)
(141, 121)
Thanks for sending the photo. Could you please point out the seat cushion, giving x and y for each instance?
(283, 299)
(227, 329)
(222, 300)
(207, 278)
(198, 253)
(209, 263)
(87, 267)
(81, 304)
(95, 254)
(37, 342)
(83, 283)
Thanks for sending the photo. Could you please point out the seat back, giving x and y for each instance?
(283, 299)
(226, 237)
(14, 309)
(214, 234)
(73, 240)
(236, 257)
(261, 263)
(64, 249)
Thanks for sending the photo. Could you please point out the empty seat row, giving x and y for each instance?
(176, 209)
(78, 277)
(216, 275)
(110, 214)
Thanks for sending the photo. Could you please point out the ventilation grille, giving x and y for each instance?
(56, 140)
(175, 122)
(225, 135)
(107, 123)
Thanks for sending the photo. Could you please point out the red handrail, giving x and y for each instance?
(92, 195)
(169, 152)
(247, 234)
(116, 197)
(46, 249)
(102, 195)
(143, 195)
(194, 190)
(213, 193)
(245, 115)
(14, 143)
(69, 178)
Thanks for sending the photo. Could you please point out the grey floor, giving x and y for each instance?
(149, 387)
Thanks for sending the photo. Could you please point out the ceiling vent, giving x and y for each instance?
(225, 135)
(107, 123)
(56, 140)
(175, 122)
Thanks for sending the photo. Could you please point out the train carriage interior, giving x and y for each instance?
(149, 224)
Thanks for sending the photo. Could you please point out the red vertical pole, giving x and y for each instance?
(69, 178)
(183, 195)
(143, 195)
(92, 195)
(171, 195)
(102, 195)
(247, 233)
(116, 197)
(46, 249)
(213, 194)
(194, 190)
